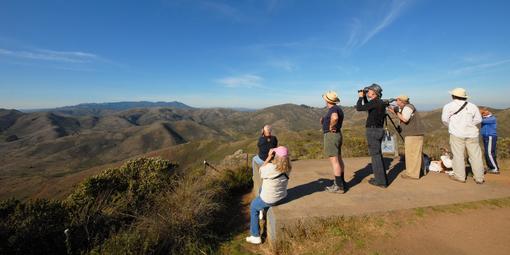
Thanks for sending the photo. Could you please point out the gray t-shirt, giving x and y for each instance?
(273, 189)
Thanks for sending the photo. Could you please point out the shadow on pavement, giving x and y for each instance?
(306, 189)
(318, 185)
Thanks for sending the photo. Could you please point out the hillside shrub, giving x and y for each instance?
(503, 148)
(112, 200)
(33, 227)
(192, 218)
(145, 206)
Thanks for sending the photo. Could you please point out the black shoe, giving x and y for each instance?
(374, 182)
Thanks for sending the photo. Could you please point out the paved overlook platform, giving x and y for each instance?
(306, 197)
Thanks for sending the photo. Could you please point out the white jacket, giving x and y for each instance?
(273, 189)
(462, 124)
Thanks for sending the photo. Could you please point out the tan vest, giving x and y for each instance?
(414, 126)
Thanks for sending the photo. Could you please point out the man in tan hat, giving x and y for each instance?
(331, 127)
(461, 117)
(412, 131)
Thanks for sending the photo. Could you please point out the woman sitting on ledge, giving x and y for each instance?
(275, 178)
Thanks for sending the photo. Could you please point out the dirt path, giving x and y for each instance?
(479, 231)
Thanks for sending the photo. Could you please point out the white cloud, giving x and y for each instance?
(283, 64)
(51, 55)
(359, 36)
(242, 81)
(223, 9)
(478, 67)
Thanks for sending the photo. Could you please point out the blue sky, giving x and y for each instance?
(252, 53)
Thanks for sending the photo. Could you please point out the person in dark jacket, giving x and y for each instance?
(374, 130)
(490, 139)
(266, 142)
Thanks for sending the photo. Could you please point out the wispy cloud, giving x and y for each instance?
(479, 67)
(242, 81)
(221, 8)
(361, 33)
(51, 55)
(283, 64)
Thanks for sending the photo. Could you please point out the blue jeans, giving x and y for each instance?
(256, 205)
(256, 160)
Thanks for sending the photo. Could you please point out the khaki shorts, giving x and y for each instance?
(332, 144)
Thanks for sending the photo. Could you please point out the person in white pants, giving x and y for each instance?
(461, 118)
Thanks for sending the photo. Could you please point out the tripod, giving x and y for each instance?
(397, 128)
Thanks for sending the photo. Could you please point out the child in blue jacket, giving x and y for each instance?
(490, 139)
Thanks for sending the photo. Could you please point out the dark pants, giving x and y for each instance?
(374, 139)
(489, 143)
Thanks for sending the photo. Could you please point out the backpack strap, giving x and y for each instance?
(280, 175)
(460, 109)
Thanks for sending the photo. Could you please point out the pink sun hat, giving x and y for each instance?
(281, 151)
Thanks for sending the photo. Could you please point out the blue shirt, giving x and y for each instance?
(327, 119)
(265, 144)
(489, 126)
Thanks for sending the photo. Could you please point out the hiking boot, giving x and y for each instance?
(254, 239)
(493, 171)
(374, 182)
(453, 178)
(334, 189)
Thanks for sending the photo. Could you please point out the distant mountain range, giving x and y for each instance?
(37, 147)
(100, 108)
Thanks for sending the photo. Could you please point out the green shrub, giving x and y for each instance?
(191, 218)
(112, 200)
(32, 227)
(142, 207)
(503, 148)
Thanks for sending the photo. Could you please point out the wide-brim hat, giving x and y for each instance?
(459, 92)
(403, 98)
(331, 97)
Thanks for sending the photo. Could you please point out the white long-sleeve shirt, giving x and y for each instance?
(462, 124)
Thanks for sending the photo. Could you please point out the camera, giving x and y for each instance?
(364, 90)
(387, 102)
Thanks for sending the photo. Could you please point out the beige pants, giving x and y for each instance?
(413, 153)
(459, 146)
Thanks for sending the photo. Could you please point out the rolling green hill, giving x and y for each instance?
(39, 150)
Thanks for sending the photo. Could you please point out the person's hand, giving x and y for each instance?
(390, 109)
(271, 151)
(322, 120)
(361, 94)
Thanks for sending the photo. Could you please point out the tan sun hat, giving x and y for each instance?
(459, 92)
(403, 98)
(331, 97)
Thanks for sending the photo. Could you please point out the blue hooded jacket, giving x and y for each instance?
(489, 126)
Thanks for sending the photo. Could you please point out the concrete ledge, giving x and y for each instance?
(308, 178)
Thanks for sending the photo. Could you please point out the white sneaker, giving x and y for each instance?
(261, 215)
(254, 239)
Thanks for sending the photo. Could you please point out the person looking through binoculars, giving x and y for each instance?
(412, 131)
(376, 108)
